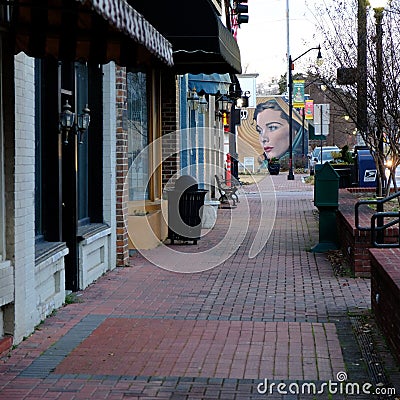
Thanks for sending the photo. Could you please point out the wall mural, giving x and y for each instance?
(264, 133)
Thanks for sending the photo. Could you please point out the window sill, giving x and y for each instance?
(90, 233)
(143, 206)
(45, 250)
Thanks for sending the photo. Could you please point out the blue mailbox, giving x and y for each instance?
(367, 172)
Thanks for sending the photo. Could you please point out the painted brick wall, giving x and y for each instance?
(385, 292)
(20, 206)
(169, 127)
(121, 168)
(109, 162)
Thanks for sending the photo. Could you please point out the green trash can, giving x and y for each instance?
(326, 199)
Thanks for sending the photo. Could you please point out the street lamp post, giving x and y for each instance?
(290, 93)
(379, 6)
(362, 66)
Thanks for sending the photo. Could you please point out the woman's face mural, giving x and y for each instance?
(273, 132)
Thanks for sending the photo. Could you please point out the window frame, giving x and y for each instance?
(149, 191)
(2, 178)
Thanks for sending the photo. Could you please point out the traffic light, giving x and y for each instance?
(241, 11)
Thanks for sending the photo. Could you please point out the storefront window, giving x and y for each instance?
(138, 136)
(38, 149)
(2, 221)
(81, 71)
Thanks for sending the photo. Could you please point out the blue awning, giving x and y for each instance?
(210, 83)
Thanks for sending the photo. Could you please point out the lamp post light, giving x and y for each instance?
(290, 86)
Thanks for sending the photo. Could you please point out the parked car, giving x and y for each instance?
(326, 156)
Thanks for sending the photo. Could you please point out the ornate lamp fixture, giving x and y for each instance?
(203, 104)
(67, 122)
(193, 99)
(223, 103)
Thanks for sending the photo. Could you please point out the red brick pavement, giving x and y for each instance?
(144, 332)
(230, 349)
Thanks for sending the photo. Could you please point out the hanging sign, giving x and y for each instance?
(298, 94)
(309, 109)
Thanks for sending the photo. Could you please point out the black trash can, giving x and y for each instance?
(345, 175)
(185, 209)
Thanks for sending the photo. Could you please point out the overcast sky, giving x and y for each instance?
(263, 41)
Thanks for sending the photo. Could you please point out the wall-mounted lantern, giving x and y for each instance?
(203, 104)
(243, 101)
(223, 107)
(193, 99)
(67, 122)
(223, 103)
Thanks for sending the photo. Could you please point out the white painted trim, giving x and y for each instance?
(96, 236)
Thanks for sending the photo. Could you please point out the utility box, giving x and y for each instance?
(367, 172)
(326, 198)
(326, 187)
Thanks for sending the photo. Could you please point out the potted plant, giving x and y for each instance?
(274, 166)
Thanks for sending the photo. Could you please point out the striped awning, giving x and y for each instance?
(91, 30)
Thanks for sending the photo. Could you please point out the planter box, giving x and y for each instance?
(274, 169)
(385, 294)
(147, 231)
(353, 242)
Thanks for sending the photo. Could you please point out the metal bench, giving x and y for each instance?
(226, 192)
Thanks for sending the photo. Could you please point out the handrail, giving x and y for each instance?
(356, 215)
(379, 208)
(377, 229)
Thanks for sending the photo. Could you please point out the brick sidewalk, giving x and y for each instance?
(145, 332)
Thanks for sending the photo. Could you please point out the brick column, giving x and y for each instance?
(121, 168)
(170, 124)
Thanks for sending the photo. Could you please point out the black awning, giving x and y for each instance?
(200, 41)
(93, 30)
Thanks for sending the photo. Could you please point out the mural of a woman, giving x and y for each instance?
(272, 124)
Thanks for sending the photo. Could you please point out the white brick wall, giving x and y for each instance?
(31, 297)
(109, 157)
(23, 199)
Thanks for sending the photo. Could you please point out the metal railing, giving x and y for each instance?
(377, 231)
(377, 226)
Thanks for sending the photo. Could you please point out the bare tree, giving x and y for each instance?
(338, 23)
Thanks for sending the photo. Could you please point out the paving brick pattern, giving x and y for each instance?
(145, 333)
(199, 348)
